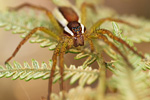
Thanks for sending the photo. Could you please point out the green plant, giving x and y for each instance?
(124, 84)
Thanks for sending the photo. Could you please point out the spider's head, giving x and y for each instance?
(76, 30)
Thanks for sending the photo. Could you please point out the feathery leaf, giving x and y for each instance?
(37, 71)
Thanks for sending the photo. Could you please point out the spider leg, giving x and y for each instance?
(100, 36)
(60, 50)
(66, 45)
(54, 58)
(101, 21)
(27, 5)
(49, 32)
(104, 31)
(61, 66)
(84, 11)
(91, 45)
(48, 13)
(61, 60)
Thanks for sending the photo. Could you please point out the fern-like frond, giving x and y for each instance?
(78, 93)
(131, 84)
(83, 75)
(141, 34)
(127, 84)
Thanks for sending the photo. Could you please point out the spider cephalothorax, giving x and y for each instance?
(75, 30)
(69, 20)
(71, 28)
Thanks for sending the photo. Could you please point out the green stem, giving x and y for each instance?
(102, 79)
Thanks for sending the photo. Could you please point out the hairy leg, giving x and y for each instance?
(61, 66)
(65, 46)
(54, 58)
(101, 21)
(28, 36)
(48, 13)
(91, 45)
(100, 36)
(84, 11)
(27, 5)
(59, 51)
(110, 34)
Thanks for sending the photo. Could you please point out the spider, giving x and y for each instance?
(73, 33)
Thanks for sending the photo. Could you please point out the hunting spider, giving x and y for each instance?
(73, 33)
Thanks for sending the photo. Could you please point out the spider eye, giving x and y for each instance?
(78, 27)
(73, 28)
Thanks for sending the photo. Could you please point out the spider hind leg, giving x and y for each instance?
(27, 5)
(54, 58)
(101, 21)
(48, 13)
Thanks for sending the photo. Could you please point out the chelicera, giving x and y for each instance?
(73, 33)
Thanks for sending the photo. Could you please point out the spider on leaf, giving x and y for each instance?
(73, 33)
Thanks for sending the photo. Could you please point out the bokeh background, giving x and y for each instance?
(34, 89)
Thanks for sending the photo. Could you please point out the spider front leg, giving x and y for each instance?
(100, 36)
(110, 34)
(61, 67)
(54, 58)
(59, 51)
(66, 45)
(45, 30)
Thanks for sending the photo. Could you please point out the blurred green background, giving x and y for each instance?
(34, 89)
